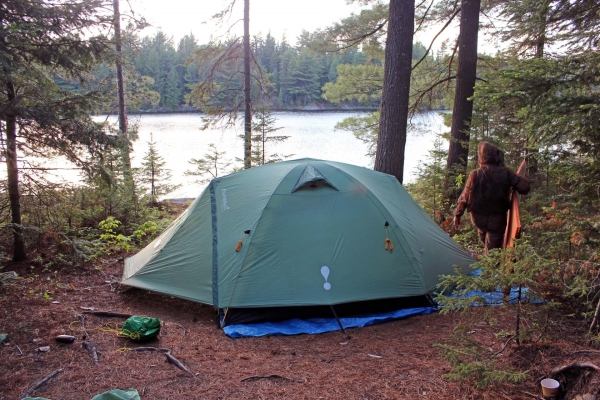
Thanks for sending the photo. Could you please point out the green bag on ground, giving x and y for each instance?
(141, 328)
(115, 394)
(118, 394)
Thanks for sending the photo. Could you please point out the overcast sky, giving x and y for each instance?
(177, 18)
(180, 17)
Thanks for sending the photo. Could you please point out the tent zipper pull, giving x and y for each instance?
(240, 243)
(389, 245)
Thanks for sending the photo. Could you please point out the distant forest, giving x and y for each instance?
(163, 74)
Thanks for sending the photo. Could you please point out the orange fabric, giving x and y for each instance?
(239, 246)
(513, 223)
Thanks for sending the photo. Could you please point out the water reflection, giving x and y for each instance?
(312, 134)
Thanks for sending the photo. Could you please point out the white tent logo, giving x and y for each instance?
(224, 200)
(325, 273)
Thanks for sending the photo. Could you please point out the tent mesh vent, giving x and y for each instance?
(311, 175)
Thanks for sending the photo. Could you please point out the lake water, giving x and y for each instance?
(179, 138)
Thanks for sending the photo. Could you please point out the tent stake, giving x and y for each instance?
(337, 319)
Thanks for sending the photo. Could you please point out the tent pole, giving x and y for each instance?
(337, 319)
(429, 297)
(221, 317)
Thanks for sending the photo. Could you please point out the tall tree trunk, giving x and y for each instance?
(12, 168)
(247, 101)
(120, 79)
(465, 83)
(396, 86)
(125, 150)
(532, 151)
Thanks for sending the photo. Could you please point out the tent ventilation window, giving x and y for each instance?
(311, 177)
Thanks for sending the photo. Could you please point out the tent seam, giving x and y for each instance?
(406, 251)
(215, 243)
(229, 293)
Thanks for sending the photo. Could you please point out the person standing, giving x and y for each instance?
(487, 196)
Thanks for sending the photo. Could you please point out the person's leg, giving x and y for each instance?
(479, 220)
(496, 225)
(482, 236)
(495, 239)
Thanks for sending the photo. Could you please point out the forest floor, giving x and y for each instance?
(393, 360)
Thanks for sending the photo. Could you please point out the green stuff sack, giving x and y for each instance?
(118, 394)
(141, 328)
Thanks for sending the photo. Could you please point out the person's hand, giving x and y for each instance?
(456, 222)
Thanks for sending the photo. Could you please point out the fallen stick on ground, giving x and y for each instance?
(149, 349)
(496, 354)
(178, 363)
(41, 383)
(535, 396)
(82, 319)
(575, 365)
(257, 377)
(91, 348)
(170, 358)
(180, 327)
(107, 314)
(586, 351)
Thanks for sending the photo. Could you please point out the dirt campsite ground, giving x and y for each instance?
(394, 360)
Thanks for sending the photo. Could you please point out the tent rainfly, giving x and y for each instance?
(274, 240)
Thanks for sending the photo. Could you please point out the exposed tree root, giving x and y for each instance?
(575, 365)
(107, 314)
(41, 383)
(258, 377)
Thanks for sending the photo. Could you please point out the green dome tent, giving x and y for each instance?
(298, 234)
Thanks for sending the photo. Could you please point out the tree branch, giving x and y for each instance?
(435, 37)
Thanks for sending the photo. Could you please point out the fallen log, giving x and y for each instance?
(41, 383)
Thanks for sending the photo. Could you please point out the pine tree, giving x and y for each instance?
(173, 95)
(263, 127)
(224, 63)
(34, 111)
(154, 174)
(396, 89)
(211, 166)
(466, 75)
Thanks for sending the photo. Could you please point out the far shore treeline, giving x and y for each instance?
(296, 75)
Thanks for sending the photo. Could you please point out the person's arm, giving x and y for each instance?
(520, 183)
(463, 199)
(523, 186)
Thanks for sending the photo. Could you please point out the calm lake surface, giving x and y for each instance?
(311, 134)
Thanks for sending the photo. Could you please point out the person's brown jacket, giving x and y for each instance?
(488, 187)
